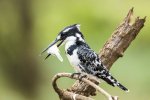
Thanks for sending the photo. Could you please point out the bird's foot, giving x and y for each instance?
(73, 74)
(80, 76)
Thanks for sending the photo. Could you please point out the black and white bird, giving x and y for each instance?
(81, 56)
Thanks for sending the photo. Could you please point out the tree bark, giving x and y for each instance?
(114, 48)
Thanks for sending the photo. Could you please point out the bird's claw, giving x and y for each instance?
(73, 74)
(80, 76)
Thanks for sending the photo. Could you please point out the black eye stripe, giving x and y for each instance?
(70, 31)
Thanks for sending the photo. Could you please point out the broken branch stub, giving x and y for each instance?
(120, 39)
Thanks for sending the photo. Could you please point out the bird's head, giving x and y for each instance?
(69, 33)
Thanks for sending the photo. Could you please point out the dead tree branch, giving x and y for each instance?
(114, 48)
(120, 39)
(70, 95)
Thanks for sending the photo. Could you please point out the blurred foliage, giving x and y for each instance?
(28, 26)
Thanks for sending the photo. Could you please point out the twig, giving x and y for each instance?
(69, 75)
(66, 95)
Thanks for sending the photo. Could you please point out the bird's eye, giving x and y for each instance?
(63, 35)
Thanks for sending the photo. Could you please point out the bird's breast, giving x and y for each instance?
(73, 59)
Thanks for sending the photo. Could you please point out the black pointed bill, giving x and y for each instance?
(54, 42)
(47, 56)
(60, 43)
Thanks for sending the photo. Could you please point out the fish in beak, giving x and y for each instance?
(66, 32)
(52, 49)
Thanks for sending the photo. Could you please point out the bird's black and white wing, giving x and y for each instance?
(91, 64)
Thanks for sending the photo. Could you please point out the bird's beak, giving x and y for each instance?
(53, 43)
(60, 43)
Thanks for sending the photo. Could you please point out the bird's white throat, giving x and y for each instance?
(69, 41)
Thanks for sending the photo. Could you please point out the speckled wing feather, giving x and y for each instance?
(90, 60)
(91, 64)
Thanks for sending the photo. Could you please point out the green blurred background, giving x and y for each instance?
(28, 26)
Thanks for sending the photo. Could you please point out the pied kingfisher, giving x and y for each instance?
(81, 56)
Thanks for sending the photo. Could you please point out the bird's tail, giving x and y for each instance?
(112, 81)
(122, 87)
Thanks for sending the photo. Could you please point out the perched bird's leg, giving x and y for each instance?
(80, 76)
(73, 74)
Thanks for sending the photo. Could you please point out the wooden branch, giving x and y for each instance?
(114, 48)
(69, 95)
(120, 39)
